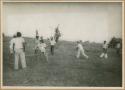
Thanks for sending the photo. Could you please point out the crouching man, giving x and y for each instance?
(104, 50)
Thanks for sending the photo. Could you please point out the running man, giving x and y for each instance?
(104, 50)
(80, 50)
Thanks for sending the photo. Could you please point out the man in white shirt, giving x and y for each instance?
(104, 52)
(19, 49)
(52, 43)
(80, 50)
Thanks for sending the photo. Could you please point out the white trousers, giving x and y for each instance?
(104, 55)
(81, 52)
(19, 54)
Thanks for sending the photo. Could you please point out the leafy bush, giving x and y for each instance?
(114, 41)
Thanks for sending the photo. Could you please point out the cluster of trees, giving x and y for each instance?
(114, 41)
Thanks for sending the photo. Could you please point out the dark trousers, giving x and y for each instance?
(52, 49)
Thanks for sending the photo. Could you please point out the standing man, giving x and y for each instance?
(104, 52)
(37, 40)
(19, 49)
(11, 45)
(52, 43)
(80, 50)
(36, 44)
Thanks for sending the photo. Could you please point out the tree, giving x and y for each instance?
(114, 41)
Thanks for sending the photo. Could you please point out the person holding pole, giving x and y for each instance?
(57, 34)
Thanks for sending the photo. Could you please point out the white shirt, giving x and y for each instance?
(18, 41)
(42, 47)
(80, 47)
(52, 42)
(105, 46)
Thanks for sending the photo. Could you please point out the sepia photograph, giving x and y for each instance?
(62, 44)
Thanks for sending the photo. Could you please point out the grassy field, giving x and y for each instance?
(63, 69)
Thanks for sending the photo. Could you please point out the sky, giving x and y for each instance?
(94, 22)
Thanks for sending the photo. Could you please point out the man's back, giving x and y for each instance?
(18, 42)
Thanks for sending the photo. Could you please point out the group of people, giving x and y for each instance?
(40, 45)
(17, 47)
(80, 50)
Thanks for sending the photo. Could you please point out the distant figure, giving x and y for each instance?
(37, 40)
(80, 50)
(52, 43)
(118, 48)
(36, 44)
(19, 49)
(41, 38)
(57, 34)
(42, 47)
(104, 52)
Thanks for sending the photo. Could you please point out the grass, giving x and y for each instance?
(63, 69)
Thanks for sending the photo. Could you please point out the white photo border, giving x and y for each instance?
(62, 88)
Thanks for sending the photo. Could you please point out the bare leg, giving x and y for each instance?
(78, 54)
